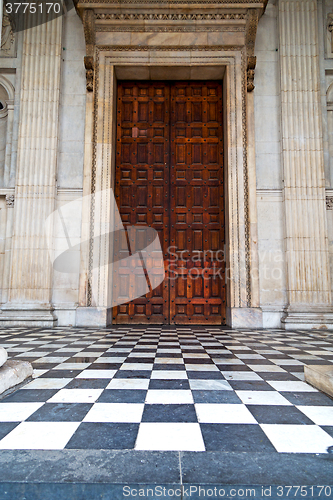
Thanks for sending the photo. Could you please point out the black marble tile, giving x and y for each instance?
(30, 396)
(122, 396)
(222, 397)
(133, 374)
(7, 427)
(205, 375)
(104, 436)
(250, 385)
(235, 437)
(88, 383)
(271, 414)
(169, 413)
(307, 398)
(169, 384)
(60, 412)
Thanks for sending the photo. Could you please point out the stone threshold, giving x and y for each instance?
(102, 474)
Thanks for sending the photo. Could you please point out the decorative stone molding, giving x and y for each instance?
(330, 29)
(89, 65)
(10, 199)
(167, 17)
(88, 19)
(250, 39)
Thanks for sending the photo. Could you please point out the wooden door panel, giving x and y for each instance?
(142, 188)
(197, 217)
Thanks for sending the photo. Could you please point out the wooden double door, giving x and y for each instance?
(169, 176)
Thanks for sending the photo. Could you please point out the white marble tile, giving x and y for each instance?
(297, 438)
(16, 412)
(38, 373)
(249, 356)
(209, 385)
(170, 436)
(39, 436)
(169, 361)
(195, 355)
(97, 374)
(72, 366)
(48, 383)
(262, 398)
(128, 383)
(136, 366)
(168, 351)
(106, 359)
(241, 376)
(201, 368)
(224, 414)
(88, 354)
(137, 354)
(76, 396)
(320, 415)
(282, 362)
(291, 386)
(267, 368)
(168, 374)
(169, 396)
(115, 412)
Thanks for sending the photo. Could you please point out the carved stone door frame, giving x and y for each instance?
(233, 64)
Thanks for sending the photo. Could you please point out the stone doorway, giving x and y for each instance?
(169, 176)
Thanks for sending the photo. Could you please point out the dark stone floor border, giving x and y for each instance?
(102, 474)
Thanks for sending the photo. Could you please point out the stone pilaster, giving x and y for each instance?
(309, 288)
(29, 300)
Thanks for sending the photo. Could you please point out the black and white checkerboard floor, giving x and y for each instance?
(164, 388)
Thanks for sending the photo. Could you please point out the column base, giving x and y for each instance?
(98, 317)
(244, 317)
(307, 318)
(27, 315)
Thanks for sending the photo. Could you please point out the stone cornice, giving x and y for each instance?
(162, 16)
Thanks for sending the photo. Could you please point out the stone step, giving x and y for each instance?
(320, 376)
(3, 356)
(13, 373)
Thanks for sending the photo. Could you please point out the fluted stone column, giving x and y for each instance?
(29, 298)
(303, 168)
